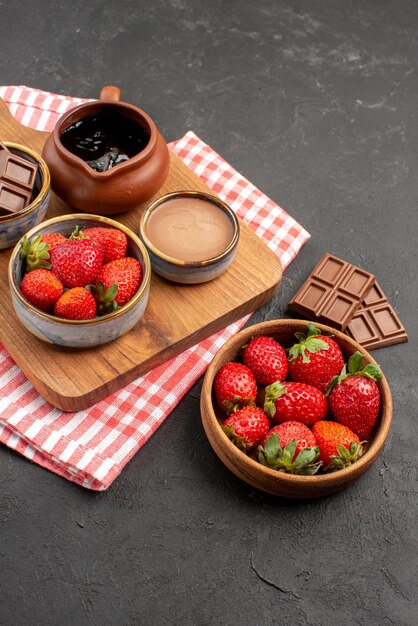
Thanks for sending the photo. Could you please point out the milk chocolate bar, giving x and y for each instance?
(375, 323)
(332, 292)
(17, 178)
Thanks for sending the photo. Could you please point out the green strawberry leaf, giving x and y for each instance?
(345, 457)
(314, 345)
(105, 298)
(269, 408)
(371, 371)
(293, 353)
(343, 453)
(262, 457)
(237, 403)
(335, 465)
(308, 343)
(229, 431)
(307, 456)
(336, 380)
(289, 452)
(36, 253)
(273, 445)
(281, 459)
(305, 357)
(355, 362)
(239, 442)
(312, 330)
(111, 292)
(76, 234)
(273, 392)
(309, 470)
(356, 367)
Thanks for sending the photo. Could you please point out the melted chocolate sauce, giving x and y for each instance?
(105, 139)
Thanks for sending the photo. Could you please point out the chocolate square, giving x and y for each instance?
(12, 198)
(375, 323)
(17, 178)
(332, 292)
(18, 171)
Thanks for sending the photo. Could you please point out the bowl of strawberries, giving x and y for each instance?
(79, 281)
(295, 409)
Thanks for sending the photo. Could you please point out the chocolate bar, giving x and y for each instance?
(375, 323)
(332, 292)
(17, 178)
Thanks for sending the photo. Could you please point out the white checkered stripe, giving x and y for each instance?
(91, 447)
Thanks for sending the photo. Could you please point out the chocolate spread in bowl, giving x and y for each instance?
(189, 229)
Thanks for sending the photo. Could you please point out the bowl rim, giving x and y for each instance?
(45, 188)
(319, 481)
(190, 194)
(91, 218)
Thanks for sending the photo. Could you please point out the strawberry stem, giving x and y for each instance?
(105, 299)
(36, 253)
(273, 392)
(237, 403)
(76, 234)
(356, 367)
(345, 457)
(307, 343)
(281, 459)
(239, 442)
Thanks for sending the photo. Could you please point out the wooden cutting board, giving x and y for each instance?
(177, 316)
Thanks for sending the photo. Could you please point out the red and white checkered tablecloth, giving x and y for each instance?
(91, 447)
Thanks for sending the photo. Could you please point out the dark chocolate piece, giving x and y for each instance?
(375, 323)
(17, 178)
(332, 292)
(108, 160)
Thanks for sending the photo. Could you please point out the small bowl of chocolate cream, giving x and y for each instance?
(191, 236)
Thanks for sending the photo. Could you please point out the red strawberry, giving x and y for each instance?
(295, 401)
(41, 288)
(76, 263)
(76, 304)
(290, 447)
(235, 387)
(53, 240)
(126, 273)
(112, 241)
(246, 427)
(338, 445)
(354, 397)
(315, 360)
(266, 359)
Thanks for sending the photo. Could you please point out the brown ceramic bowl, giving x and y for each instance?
(250, 470)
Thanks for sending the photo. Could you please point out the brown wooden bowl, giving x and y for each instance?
(250, 470)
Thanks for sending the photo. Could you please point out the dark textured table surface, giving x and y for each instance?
(316, 103)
